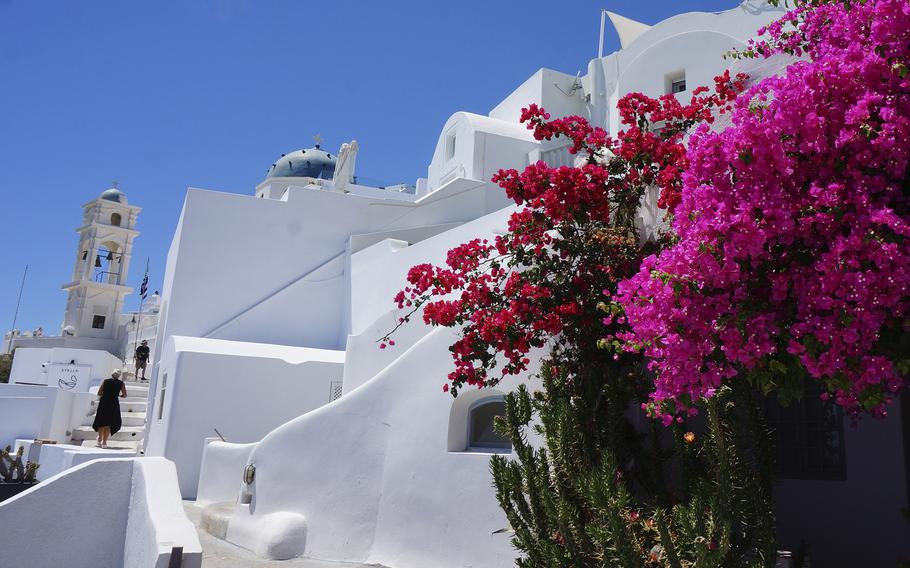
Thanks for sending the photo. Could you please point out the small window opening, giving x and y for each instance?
(808, 436)
(98, 322)
(450, 146)
(115, 219)
(482, 435)
(161, 396)
(676, 82)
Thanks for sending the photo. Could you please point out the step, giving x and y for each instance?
(216, 517)
(134, 389)
(128, 419)
(114, 445)
(132, 398)
(137, 392)
(130, 376)
(124, 407)
(126, 434)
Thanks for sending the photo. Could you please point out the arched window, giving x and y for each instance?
(115, 219)
(471, 422)
(481, 434)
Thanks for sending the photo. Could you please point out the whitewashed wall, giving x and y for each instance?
(21, 417)
(157, 523)
(55, 458)
(35, 411)
(475, 147)
(242, 389)
(383, 459)
(222, 468)
(552, 90)
(28, 363)
(105, 513)
(693, 42)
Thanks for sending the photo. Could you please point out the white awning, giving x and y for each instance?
(628, 30)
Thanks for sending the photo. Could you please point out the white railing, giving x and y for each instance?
(557, 157)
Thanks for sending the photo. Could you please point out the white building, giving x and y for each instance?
(273, 303)
(54, 378)
(94, 317)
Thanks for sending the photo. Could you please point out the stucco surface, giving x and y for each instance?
(105, 513)
(72, 510)
(222, 467)
(243, 389)
(217, 553)
(22, 417)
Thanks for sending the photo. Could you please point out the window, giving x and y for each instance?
(98, 322)
(482, 435)
(450, 145)
(808, 437)
(471, 421)
(115, 219)
(336, 389)
(161, 396)
(675, 82)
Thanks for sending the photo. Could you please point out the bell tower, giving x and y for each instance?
(98, 285)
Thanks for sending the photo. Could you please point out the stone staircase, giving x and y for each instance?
(132, 411)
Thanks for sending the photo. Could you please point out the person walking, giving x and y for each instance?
(141, 358)
(107, 418)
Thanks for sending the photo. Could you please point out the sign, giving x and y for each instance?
(75, 378)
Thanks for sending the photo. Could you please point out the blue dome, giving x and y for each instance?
(312, 162)
(113, 194)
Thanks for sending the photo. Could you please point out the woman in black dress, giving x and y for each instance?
(107, 418)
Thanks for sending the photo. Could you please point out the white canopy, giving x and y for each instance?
(628, 30)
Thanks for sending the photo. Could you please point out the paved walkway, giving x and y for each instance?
(217, 553)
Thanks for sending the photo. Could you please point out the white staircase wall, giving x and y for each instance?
(97, 492)
(20, 417)
(378, 457)
(36, 411)
(220, 474)
(157, 522)
(362, 468)
(106, 513)
(213, 383)
(316, 300)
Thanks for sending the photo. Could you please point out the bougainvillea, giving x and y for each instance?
(572, 236)
(792, 251)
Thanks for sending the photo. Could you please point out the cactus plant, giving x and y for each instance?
(12, 469)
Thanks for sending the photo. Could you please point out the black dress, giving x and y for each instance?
(108, 413)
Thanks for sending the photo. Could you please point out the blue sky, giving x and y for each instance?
(162, 95)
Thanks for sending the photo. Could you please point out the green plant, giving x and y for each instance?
(12, 469)
(598, 493)
(6, 366)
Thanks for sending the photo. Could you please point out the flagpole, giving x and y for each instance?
(143, 290)
(9, 347)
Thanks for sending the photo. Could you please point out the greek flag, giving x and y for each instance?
(144, 287)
